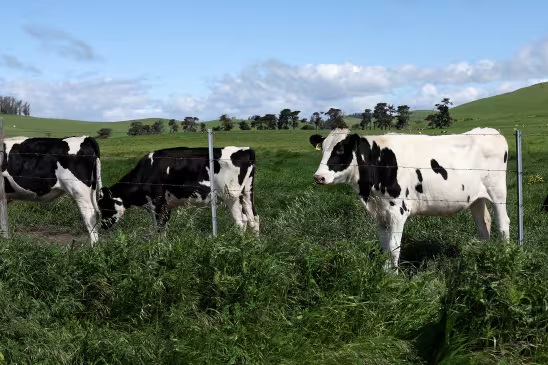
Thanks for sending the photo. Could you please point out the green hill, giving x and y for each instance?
(525, 106)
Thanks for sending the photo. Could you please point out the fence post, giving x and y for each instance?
(519, 176)
(212, 182)
(3, 201)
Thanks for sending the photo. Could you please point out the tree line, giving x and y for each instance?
(384, 116)
(13, 106)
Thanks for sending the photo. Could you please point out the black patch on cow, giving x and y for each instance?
(505, 156)
(418, 188)
(406, 192)
(419, 174)
(33, 162)
(392, 203)
(468, 200)
(403, 205)
(401, 210)
(438, 169)
(243, 159)
(378, 167)
(545, 205)
(462, 187)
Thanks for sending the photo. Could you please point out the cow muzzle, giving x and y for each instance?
(319, 179)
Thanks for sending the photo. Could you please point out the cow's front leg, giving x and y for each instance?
(390, 238)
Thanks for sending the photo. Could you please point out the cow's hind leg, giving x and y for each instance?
(89, 216)
(482, 218)
(498, 198)
(248, 210)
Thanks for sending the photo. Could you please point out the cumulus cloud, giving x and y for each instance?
(62, 43)
(14, 63)
(89, 99)
(270, 86)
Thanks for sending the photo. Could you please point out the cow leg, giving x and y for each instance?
(390, 239)
(498, 198)
(248, 211)
(162, 214)
(89, 216)
(235, 208)
(482, 218)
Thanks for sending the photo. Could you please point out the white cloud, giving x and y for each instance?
(270, 86)
(91, 99)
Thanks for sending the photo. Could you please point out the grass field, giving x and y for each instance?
(309, 290)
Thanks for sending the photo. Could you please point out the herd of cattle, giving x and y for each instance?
(396, 176)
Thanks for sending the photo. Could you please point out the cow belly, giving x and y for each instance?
(15, 191)
(196, 199)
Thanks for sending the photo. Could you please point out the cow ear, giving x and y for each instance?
(316, 141)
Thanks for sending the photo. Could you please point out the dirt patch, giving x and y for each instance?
(54, 234)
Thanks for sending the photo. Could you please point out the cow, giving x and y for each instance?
(545, 205)
(43, 169)
(168, 178)
(397, 176)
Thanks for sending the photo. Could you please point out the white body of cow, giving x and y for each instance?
(435, 176)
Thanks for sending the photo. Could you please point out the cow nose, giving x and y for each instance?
(319, 179)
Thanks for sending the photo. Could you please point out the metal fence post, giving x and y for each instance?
(3, 200)
(212, 182)
(519, 176)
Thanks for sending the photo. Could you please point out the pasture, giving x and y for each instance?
(309, 290)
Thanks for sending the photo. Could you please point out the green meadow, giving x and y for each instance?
(309, 290)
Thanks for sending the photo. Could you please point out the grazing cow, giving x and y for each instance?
(398, 176)
(545, 205)
(43, 169)
(165, 179)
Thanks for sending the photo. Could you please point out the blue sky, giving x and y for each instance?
(115, 60)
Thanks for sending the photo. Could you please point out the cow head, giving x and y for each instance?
(112, 208)
(338, 156)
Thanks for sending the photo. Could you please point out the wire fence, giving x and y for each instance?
(208, 159)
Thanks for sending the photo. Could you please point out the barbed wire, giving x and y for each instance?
(406, 132)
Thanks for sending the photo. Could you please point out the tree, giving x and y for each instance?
(157, 127)
(283, 120)
(203, 127)
(226, 122)
(256, 122)
(404, 115)
(135, 129)
(190, 124)
(104, 133)
(335, 119)
(367, 119)
(10, 105)
(173, 126)
(294, 119)
(269, 121)
(316, 120)
(244, 125)
(383, 115)
(441, 119)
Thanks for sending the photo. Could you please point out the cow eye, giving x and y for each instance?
(339, 151)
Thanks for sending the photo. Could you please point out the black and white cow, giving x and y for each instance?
(545, 205)
(398, 176)
(167, 178)
(43, 169)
